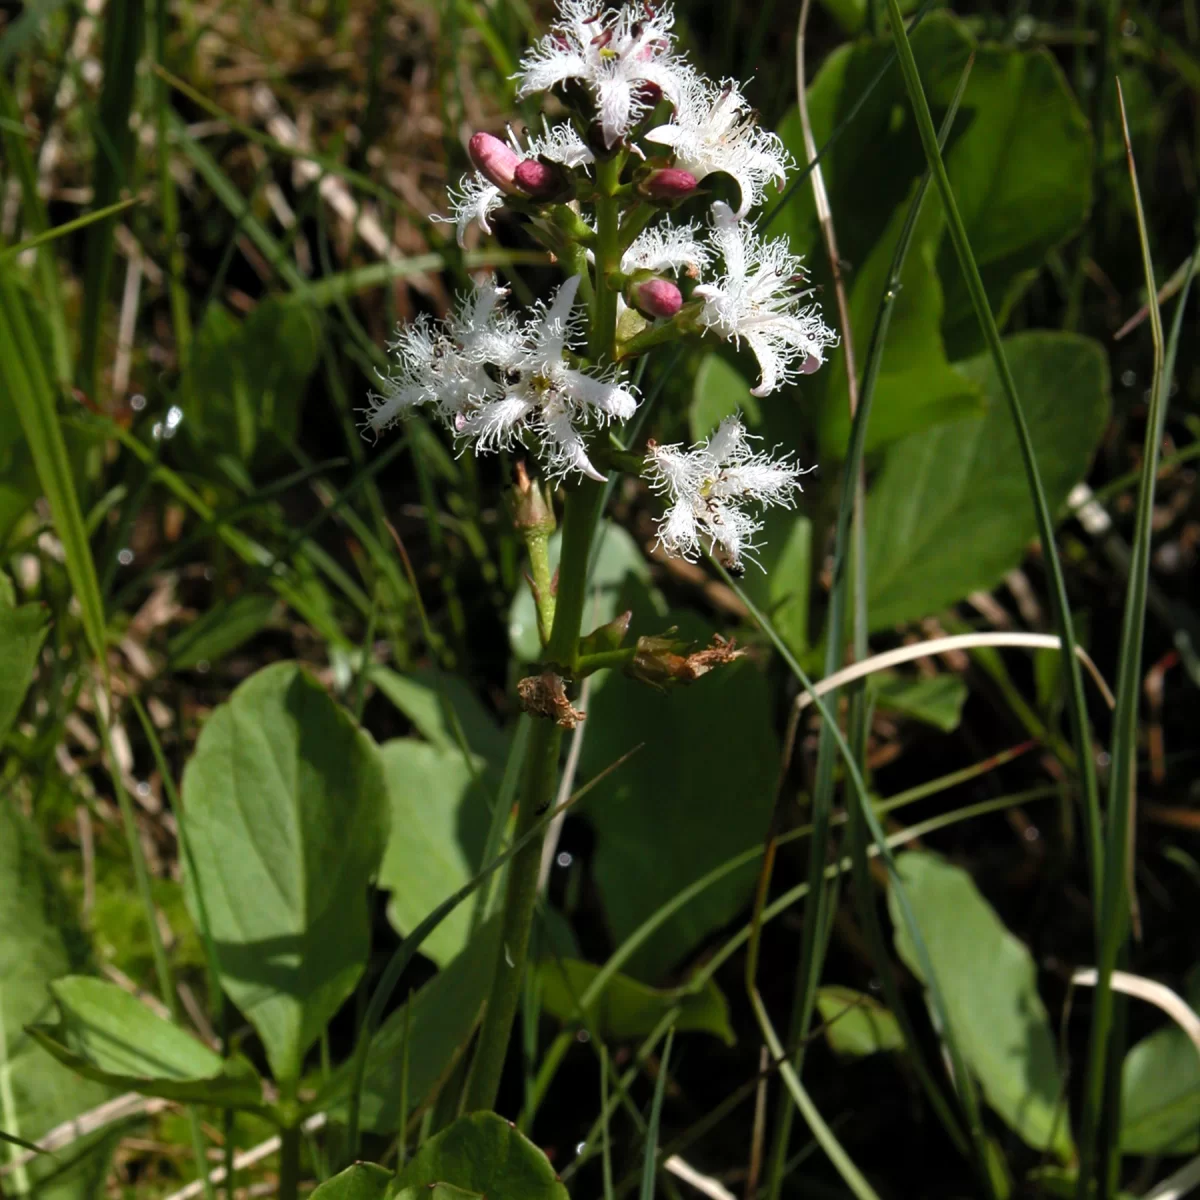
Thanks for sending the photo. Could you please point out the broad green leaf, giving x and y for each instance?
(938, 701)
(248, 377)
(1018, 158)
(484, 1153)
(857, 1024)
(865, 186)
(781, 589)
(620, 580)
(720, 391)
(362, 1181)
(950, 512)
(422, 697)
(436, 1191)
(438, 827)
(851, 15)
(698, 791)
(104, 1033)
(221, 630)
(1022, 179)
(1160, 1092)
(41, 941)
(287, 813)
(627, 1009)
(917, 387)
(444, 1014)
(22, 631)
(989, 983)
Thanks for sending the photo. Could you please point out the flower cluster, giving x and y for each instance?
(708, 487)
(494, 379)
(642, 130)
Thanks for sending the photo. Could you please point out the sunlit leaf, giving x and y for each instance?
(106, 1034)
(287, 814)
(484, 1153)
(626, 1009)
(989, 983)
(950, 512)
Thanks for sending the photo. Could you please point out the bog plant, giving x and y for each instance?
(641, 132)
(667, 236)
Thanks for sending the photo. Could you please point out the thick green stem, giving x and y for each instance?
(582, 511)
(289, 1163)
(541, 782)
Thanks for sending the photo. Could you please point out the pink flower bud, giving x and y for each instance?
(656, 298)
(668, 184)
(493, 159)
(537, 179)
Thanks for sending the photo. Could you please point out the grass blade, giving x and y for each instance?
(1099, 1147)
(651, 1146)
(23, 373)
(124, 28)
(58, 231)
(1076, 703)
(849, 540)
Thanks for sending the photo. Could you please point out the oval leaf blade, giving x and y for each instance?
(287, 818)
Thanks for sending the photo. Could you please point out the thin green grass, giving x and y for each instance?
(115, 140)
(29, 388)
(1100, 1154)
(849, 549)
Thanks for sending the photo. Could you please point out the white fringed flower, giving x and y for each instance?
(559, 144)
(615, 54)
(758, 299)
(496, 380)
(472, 203)
(708, 486)
(667, 247)
(714, 129)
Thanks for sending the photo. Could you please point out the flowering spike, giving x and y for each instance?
(495, 161)
(708, 486)
(655, 297)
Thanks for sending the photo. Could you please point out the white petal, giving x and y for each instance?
(614, 99)
(678, 532)
(729, 443)
(768, 362)
(612, 401)
(566, 448)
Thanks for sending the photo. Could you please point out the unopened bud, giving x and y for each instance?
(655, 297)
(606, 637)
(495, 160)
(530, 504)
(668, 184)
(538, 179)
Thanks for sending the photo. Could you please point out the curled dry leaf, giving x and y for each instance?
(545, 695)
